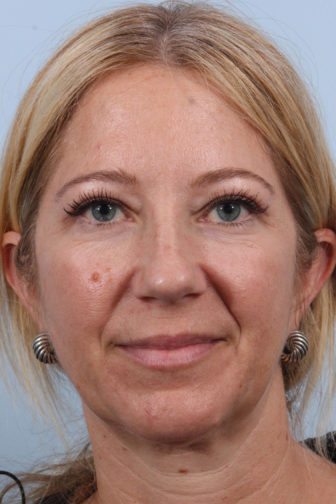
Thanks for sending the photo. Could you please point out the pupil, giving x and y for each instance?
(103, 212)
(229, 211)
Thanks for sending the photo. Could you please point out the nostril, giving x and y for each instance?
(169, 282)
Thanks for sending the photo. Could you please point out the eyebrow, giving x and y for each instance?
(229, 173)
(118, 176)
(121, 177)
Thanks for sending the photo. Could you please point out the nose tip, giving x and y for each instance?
(169, 275)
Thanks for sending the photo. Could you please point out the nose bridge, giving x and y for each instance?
(168, 268)
(169, 249)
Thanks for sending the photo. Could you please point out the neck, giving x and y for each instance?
(247, 461)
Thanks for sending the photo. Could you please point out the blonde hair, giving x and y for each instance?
(259, 82)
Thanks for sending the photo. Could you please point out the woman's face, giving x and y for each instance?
(166, 257)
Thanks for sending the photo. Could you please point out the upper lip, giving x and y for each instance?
(166, 342)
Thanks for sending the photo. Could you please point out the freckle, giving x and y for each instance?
(191, 100)
(95, 277)
(183, 471)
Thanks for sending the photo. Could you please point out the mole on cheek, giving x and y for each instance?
(95, 277)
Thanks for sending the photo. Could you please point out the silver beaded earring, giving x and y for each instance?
(296, 347)
(43, 349)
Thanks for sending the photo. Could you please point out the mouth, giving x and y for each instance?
(168, 352)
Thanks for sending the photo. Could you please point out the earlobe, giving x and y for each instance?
(321, 268)
(20, 285)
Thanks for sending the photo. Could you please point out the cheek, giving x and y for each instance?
(256, 282)
(78, 294)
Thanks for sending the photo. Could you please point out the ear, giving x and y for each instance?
(320, 270)
(23, 289)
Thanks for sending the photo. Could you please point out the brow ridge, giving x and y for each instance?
(119, 176)
(208, 178)
(229, 173)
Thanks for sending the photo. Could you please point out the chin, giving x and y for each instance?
(177, 434)
(177, 426)
(185, 412)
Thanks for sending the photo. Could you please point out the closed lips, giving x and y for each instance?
(169, 351)
(171, 342)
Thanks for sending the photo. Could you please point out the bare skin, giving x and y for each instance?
(166, 257)
(265, 466)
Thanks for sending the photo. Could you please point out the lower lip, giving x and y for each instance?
(162, 358)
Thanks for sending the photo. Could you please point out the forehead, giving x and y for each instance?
(157, 120)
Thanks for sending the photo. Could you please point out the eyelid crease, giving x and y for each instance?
(227, 173)
(118, 176)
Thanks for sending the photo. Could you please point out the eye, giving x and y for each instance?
(232, 208)
(100, 208)
(104, 212)
(229, 211)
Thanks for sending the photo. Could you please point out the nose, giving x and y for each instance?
(168, 269)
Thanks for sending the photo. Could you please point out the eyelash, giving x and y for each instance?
(251, 203)
(85, 200)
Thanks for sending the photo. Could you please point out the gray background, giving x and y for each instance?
(29, 31)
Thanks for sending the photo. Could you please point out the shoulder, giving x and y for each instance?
(59, 498)
(328, 441)
(54, 499)
(319, 472)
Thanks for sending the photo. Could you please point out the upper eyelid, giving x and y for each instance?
(251, 205)
(79, 206)
(84, 201)
(248, 201)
